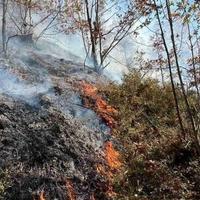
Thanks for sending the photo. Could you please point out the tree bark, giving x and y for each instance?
(4, 4)
(195, 133)
(92, 39)
(170, 71)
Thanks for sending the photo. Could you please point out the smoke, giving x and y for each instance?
(59, 48)
(68, 47)
(17, 88)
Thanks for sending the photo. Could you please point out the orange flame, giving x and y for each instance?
(41, 197)
(112, 157)
(105, 111)
(95, 101)
(92, 197)
(89, 89)
(70, 189)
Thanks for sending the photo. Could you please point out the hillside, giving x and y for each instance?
(50, 142)
(68, 133)
(99, 100)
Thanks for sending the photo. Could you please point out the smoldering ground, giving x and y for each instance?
(42, 147)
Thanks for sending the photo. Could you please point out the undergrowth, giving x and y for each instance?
(158, 163)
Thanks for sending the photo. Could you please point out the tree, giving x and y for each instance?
(156, 7)
(190, 14)
(26, 15)
(167, 15)
(187, 104)
(4, 7)
(103, 26)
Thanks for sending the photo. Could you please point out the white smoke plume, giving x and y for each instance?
(20, 89)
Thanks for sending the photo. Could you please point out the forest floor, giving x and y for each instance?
(51, 145)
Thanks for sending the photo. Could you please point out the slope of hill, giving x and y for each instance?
(50, 142)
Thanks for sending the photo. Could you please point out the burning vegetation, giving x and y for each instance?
(66, 136)
(47, 150)
(112, 157)
(95, 101)
(108, 113)
(70, 190)
(41, 197)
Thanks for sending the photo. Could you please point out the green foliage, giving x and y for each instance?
(142, 103)
(158, 163)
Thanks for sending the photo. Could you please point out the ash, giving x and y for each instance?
(47, 136)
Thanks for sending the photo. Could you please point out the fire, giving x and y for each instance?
(93, 99)
(89, 89)
(106, 112)
(70, 189)
(41, 197)
(112, 157)
(92, 197)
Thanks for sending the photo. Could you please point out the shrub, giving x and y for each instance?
(158, 164)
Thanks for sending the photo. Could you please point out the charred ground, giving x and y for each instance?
(50, 144)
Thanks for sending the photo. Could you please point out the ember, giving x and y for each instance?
(112, 157)
(41, 197)
(70, 189)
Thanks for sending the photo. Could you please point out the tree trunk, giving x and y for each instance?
(4, 26)
(170, 72)
(95, 62)
(195, 133)
(193, 62)
(92, 39)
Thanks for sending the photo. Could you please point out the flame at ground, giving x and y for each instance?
(89, 89)
(70, 189)
(94, 100)
(41, 197)
(106, 112)
(112, 157)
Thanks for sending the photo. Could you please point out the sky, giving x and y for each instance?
(73, 44)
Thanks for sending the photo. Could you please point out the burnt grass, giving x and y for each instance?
(41, 149)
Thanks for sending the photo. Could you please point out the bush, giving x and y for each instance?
(158, 164)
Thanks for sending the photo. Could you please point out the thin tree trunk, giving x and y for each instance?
(193, 62)
(170, 72)
(161, 69)
(93, 53)
(4, 26)
(195, 134)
